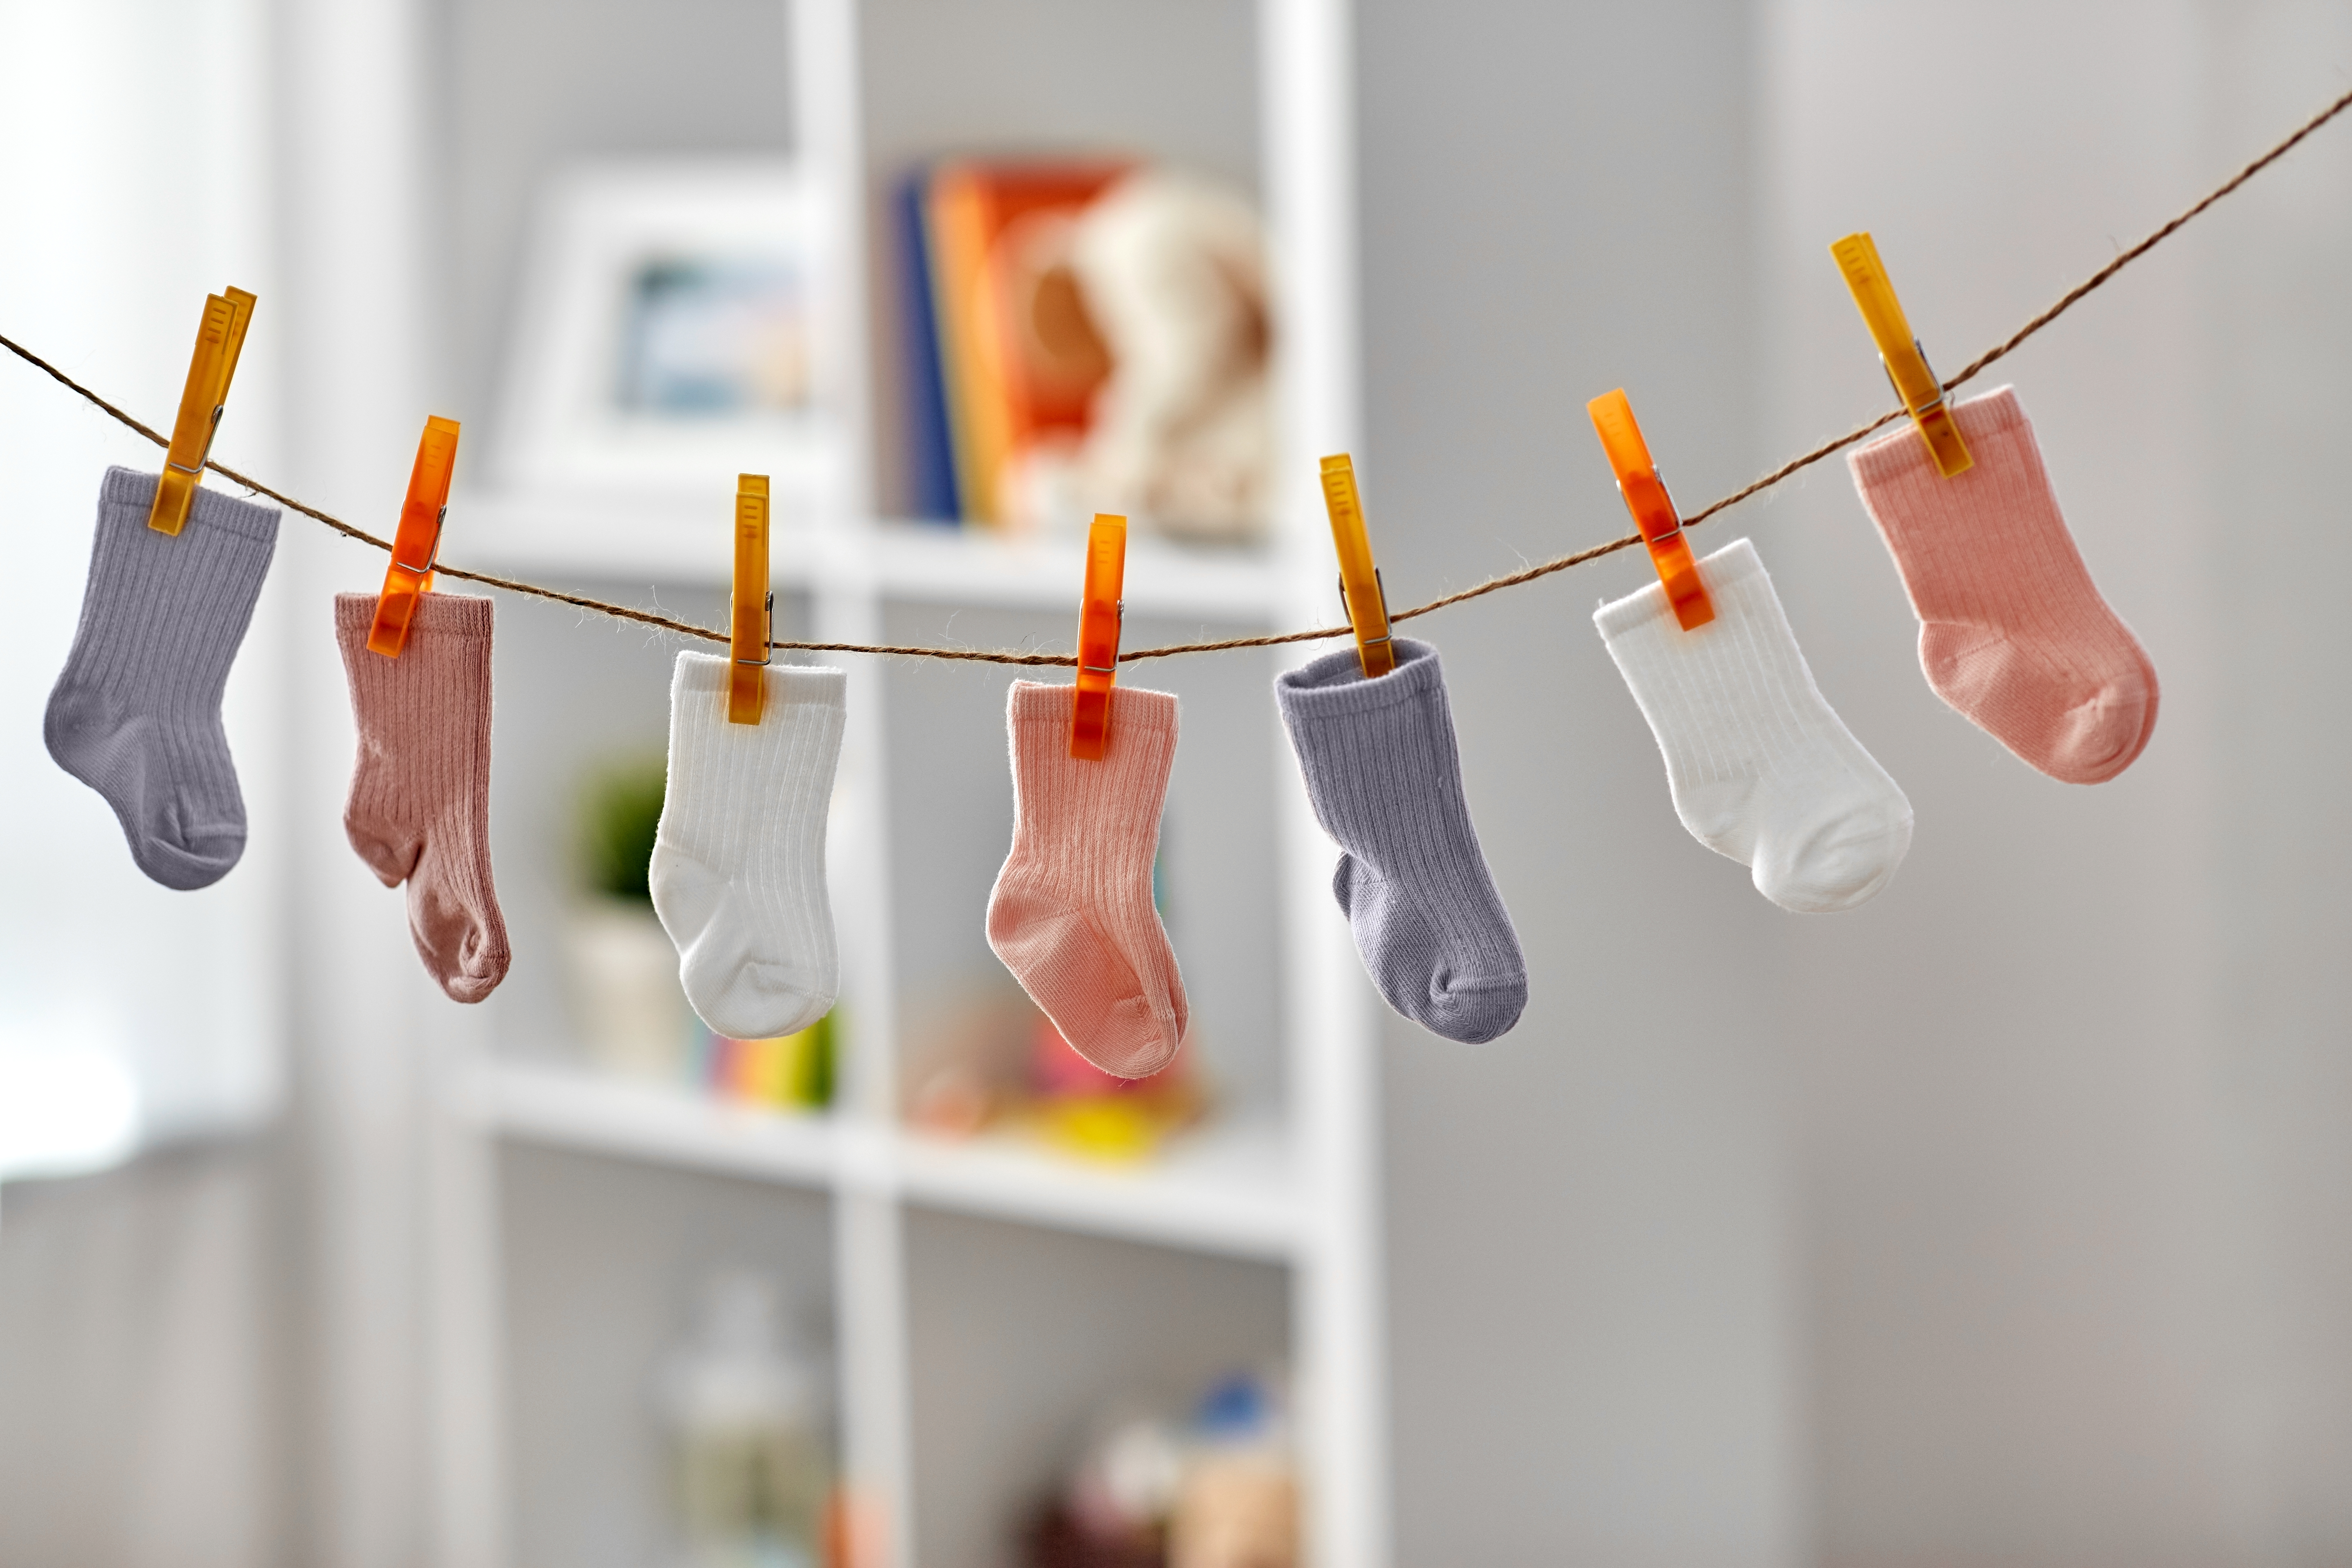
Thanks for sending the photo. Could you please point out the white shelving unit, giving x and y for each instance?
(1289, 1182)
(1228, 1189)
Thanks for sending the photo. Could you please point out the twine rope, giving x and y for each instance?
(1975, 367)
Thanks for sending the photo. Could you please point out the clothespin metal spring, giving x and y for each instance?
(220, 339)
(1900, 353)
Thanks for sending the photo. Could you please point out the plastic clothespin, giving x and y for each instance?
(416, 545)
(754, 622)
(1100, 612)
(1653, 509)
(1360, 591)
(219, 340)
(1904, 361)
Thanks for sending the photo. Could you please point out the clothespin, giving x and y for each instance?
(219, 340)
(754, 622)
(1904, 361)
(1653, 509)
(416, 544)
(1100, 611)
(1360, 591)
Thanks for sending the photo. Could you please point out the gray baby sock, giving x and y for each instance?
(1386, 781)
(137, 713)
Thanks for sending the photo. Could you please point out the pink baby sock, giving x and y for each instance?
(2012, 634)
(420, 805)
(1072, 914)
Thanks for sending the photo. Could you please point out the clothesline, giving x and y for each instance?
(1493, 585)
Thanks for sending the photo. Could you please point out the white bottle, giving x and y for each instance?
(745, 1405)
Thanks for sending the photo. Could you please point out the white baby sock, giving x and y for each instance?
(1761, 768)
(738, 861)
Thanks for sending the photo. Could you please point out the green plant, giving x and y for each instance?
(619, 810)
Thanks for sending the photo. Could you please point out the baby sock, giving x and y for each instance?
(737, 870)
(1386, 783)
(1071, 915)
(419, 810)
(136, 715)
(1761, 769)
(2012, 634)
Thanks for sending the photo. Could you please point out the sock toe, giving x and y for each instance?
(1844, 861)
(2105, 735)
(472, 972)
(763, 1002)
(186, 868)
(465, 953)
(1132, 1039)
(1472, 1011)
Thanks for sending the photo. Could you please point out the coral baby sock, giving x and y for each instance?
(419, 810)
(1386, 783)
(1761, 768)
(136, 714)
(1071, 916)
(737, 870)
(2012, 634)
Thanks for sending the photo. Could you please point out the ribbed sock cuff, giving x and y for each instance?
(1334, 686)
(1727, 567)
(800, 684)
(130, 490)
(1037, 703)
(446, 616)
(1899, 454)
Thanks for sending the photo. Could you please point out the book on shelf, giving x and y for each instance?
(931, 493)
(1017, 357)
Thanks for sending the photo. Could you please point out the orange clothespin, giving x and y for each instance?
(416, 545)
(1653, 509)
(1100, 612)
(1360, 591)
(753, 621)
(1904, 361)
(220, 338)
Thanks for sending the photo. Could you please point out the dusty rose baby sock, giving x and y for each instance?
(420, 805)
(2012, 634)
(1072, 914)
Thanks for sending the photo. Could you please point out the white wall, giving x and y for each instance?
(1594, 1340)
(2006, 1142)
(2048, 1123)
(107, 253)
(368, 360)
(2275, 330)
(138, 1310)
(2002, 1220)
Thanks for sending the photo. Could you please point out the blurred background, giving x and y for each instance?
(2006, 1220)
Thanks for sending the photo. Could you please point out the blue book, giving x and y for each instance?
(930, 450)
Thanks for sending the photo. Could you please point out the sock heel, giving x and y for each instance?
(1081, 980)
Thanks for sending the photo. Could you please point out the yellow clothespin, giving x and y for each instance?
(1101, 608)
(1360, 590)
(219, 340)
(754, 606)
(1654, 510)
(1899, 352)
(416, 544)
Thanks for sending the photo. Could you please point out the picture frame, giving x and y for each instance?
(672, 334)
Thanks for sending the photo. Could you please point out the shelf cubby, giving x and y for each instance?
(988, 1296)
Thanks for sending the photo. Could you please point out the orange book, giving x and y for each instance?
(1021, 357)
